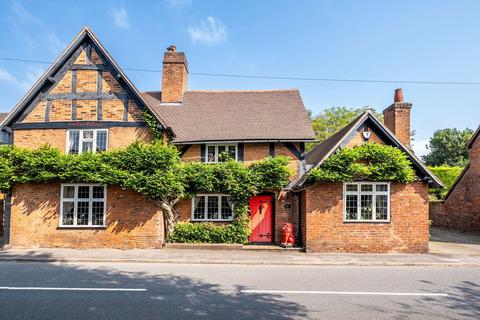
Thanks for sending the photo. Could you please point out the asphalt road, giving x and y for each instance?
(169, 291)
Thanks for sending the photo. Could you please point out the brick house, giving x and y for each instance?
(85, 102)
(461, 207)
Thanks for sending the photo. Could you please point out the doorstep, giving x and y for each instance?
(228, 246)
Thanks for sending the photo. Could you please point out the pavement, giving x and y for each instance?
(448, 248)
(243, 257)
(66, 290)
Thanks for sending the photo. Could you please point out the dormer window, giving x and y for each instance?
(79, 141)
(213, 152)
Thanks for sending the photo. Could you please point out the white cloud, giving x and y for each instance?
(420, 147)
(211, 31)
(23, 15)
(120, 18)
(31, 77)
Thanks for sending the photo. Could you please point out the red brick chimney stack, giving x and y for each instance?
(397, 117)
(174, 75)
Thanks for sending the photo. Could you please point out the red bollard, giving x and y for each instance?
(287, 235)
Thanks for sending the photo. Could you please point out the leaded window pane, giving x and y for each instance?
(87, 134)
(351, 207)
(381, 207)
(382, 187)
(352, 187)
(68, 192)
(366, 207)
(211, 153)
(84, 192)
(68, 213)
(232, 151)
(366, 187)
(212, 207)
(227, 212)
(82, 213)
(199, 212)
(73, 142)
(101, 141)
(97, 213)
(98, 192)
(87, 146)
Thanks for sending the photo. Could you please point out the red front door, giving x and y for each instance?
(261, 219)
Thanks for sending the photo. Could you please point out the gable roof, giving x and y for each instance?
(47, 76)
(315, 157)
(208, 116)
(473, 138)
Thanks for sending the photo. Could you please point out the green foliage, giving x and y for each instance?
(331, 120)
(187, 232)
(154, 125)
(448, 147)
(154, 170)
(447, 175)
(369, 161)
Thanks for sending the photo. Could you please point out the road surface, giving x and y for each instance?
(171, 291)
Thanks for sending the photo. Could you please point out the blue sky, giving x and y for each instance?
(407, 40)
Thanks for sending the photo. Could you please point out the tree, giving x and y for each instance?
(448, 147)
(333, 119)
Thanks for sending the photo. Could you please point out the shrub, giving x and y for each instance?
(370, 161)
(448, 175)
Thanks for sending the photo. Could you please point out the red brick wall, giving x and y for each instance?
(407, 231)
(118, 137)
(461, 210)
(132, 221)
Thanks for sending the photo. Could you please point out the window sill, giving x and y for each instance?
(231, 220)
(81, 227)
(366, 221)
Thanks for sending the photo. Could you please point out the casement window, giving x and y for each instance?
(366, 201)
(79, 141)
(82, 205)
(213, 152)
(212, 207)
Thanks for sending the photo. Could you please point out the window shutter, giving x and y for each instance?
(240, 151)
(203, 153)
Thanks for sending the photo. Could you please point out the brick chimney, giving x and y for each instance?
(397, 117)
(174, 75)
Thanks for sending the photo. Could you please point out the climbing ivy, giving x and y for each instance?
(369, 161)
(154, 170)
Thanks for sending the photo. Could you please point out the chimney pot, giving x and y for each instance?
(398, 97)
(172, 48)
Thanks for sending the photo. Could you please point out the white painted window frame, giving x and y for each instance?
(219, 199)
(75, 201)
(359, 193)
(216, 145)
(80, 139)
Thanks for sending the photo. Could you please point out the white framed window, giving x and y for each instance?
(90, 140)
(212, 207)
(213, 152)
(83, 205)
(366, 202)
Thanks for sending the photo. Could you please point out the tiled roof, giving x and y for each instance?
(315, 157)
(235, 116)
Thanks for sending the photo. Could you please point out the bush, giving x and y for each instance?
(370, 161)
(190, 232)
(448, 175)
